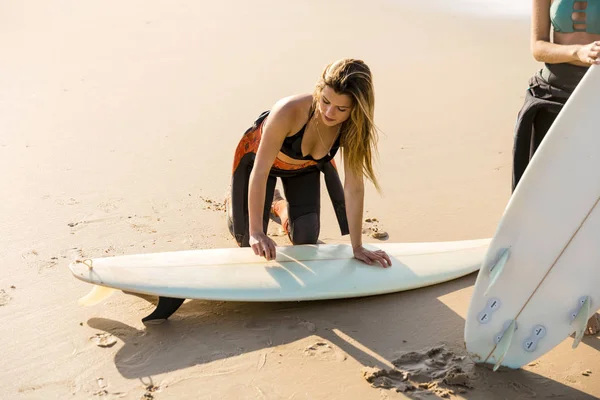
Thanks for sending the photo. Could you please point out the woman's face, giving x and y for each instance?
(334, 108)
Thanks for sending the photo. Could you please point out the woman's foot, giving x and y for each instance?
(593, 325)
(279, 208)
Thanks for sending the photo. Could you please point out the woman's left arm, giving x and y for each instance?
(354, 194)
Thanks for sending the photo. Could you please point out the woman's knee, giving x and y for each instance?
(305, 229)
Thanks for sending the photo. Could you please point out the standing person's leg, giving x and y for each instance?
(525, 148)
(541, 125)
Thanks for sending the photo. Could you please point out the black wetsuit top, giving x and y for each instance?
(292, 146)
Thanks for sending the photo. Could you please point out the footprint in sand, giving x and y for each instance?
(324, 350)
(33, 260)
(92, 252)
(103, 340)
(160, 208)
(318, 349)
(257, 325)
(68, 202)
(309, 326)
(104, 392)
(387, 379)
(570, 379)
(142, 224)
(4, 298)
(373, 228)
(110, 205)
(522, 389)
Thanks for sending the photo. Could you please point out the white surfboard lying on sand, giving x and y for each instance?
(306, 272)
(540, 280)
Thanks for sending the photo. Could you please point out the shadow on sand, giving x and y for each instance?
(366, 329)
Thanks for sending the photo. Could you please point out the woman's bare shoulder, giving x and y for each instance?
(294, 108)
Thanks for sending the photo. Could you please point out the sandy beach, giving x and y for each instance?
(118, 125)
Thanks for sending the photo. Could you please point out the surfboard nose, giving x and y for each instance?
(81, 268)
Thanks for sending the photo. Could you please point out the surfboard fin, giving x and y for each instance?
(497, 268)
(505, 339)
(165, 308)
(579, 318)
(96, 295)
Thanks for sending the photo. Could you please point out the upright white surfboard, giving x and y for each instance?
(540, 280)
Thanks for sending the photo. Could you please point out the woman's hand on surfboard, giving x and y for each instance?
(370, 257)
(263, 245)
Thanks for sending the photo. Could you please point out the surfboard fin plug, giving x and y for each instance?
(503, 341)
(497, 268)
(165, 308)
(485, 315)
(580, 317)
(537, 334)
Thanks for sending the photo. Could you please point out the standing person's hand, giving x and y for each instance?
(590, 53)
(263, 245)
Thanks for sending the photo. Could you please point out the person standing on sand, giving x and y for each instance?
(297, 140)
(574, 26)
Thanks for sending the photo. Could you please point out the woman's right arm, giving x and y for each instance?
(545, 51)
(276, 128)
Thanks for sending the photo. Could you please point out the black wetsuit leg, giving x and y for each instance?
(541, 125)
(303, 194)
(239, 220)
(238, 225)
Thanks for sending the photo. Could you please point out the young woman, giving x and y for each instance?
(565, 36)
(297, 140)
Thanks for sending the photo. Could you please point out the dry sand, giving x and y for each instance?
(118, 123)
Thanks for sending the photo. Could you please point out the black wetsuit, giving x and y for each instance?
(301, 184)
(547, 92)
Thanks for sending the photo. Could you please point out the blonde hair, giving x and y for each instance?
(358, 134)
